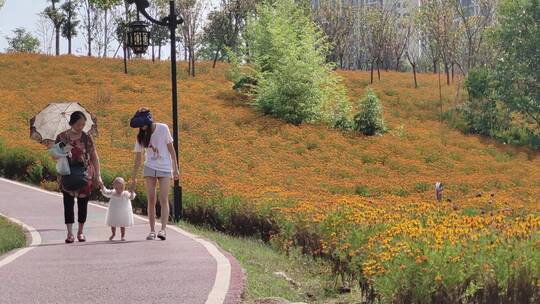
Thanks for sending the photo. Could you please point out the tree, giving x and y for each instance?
(516, 40)
(45, 31)
(2, 3)
(70, 24)
(412, 45)
(22, 42)
(90, 13)
(105, 23)
(397, 42)
(218, 33)
(191, 11)
(336, 20)
(474, 19)
(437, 21)
(225, 27)
(160, 37)
(57, 19)
(379, 18)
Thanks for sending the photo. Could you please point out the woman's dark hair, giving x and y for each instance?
(143, 138)
(76, 116)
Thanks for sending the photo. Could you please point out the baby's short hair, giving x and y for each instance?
(119, 180)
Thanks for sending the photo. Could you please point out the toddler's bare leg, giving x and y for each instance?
(113, 230)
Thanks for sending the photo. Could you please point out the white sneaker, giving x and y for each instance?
(151, 236)
(162, 235)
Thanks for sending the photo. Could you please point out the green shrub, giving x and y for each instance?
(362, 190)
(369, 119)
(421, 187)
(15, 163)
(35, 173)
(482, 114)
(294, 82)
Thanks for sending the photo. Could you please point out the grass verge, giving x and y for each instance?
(313, 281)
(11, 236)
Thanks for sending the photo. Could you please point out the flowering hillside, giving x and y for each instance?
(367, 203)
(225, 145)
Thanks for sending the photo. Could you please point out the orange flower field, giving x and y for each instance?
(367, 203)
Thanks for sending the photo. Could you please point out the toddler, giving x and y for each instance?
(119, 213)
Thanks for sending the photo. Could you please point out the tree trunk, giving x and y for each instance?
(379, 70)
(126, 6)
(447, 71)
(192, 55)
(414, 73)
(69, 29)
(159, 52)
(371, 78)
(341, 61)
(215, 59)
(57, 32)
(153, 52)
(125, 56)
(452, 72)
(89, 30)
(398, 61)
(106, 38)
(434, 66)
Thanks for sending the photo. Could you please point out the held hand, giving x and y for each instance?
(132, 185)
(100, 182)
(176, 175)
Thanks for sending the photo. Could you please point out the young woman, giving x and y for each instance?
(159, 166)
(83, 155)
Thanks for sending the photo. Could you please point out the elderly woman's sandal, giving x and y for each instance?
(70, 239)
(81, 237)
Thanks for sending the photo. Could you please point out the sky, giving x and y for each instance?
(24, 13)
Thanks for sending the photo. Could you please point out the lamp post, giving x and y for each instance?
(139, 40)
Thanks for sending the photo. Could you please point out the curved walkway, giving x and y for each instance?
(182, 269)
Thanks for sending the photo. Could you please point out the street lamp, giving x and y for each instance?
(139, 42)
(138, 37)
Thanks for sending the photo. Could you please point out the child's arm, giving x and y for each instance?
(106, 192)
(130, 194)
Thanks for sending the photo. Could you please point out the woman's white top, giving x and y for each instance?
(157, 154)
(120, 212)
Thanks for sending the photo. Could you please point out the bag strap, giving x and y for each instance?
(84, 139)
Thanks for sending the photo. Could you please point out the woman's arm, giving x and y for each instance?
(136, 166)
(95, 162)
(172, 152)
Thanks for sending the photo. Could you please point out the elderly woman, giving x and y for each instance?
(85, 174)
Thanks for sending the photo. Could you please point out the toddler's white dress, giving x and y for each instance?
(120, 212)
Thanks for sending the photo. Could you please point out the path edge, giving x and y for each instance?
(12, 255)
(229, 282)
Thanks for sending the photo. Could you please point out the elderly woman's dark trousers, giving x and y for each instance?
(69, 204)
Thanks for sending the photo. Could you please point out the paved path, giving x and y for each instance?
(182, 269)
